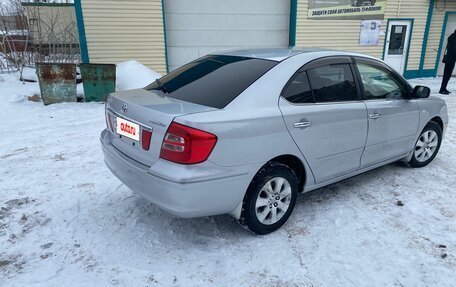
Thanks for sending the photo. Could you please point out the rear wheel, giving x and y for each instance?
(427, 146)
(270, 199)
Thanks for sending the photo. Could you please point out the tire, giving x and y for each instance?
(273, 191)
(359, 3)
(427, 146)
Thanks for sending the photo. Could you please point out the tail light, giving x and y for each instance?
(186, 145)
(145, 139)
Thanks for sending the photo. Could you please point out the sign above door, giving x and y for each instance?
(347, 9)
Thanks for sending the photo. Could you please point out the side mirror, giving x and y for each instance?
(421, 92)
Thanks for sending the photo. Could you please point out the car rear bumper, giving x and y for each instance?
(182, 190)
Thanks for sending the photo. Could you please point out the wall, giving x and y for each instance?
(344, 34)
(435, 32)
(119, 30)
(199, 27)
(52, 23)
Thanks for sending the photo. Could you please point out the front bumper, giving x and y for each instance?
(184, 191)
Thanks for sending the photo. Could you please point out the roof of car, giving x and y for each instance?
(277, 54)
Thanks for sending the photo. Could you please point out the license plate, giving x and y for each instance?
(128, 129)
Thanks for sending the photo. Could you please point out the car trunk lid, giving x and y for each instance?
(147, 110)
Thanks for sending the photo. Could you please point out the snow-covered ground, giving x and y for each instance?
(65, 220)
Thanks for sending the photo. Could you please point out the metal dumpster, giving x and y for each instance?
(57, 82)
(99, 80)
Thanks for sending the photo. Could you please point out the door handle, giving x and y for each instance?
(302, 124)
(375, 116)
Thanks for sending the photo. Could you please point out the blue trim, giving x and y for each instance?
(384, 41)
(442, 39)
(427, 73)
(292, 28)
(426, 36)
(81, 32)
(409, 44)
(412, 20)
(412, 74)
(164, 35)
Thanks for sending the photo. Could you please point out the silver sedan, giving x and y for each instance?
(244, 132)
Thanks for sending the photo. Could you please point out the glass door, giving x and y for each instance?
(397, 43)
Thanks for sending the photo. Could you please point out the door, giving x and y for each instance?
(450, 28)
(199, 27)
(325, 117)
(397, 44)
(392, 118)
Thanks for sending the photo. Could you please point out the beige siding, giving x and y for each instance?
(52, 24)
(418, 10)
(120, 30)
(435, 32)
(344, 34)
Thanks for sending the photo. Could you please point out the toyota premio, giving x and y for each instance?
(244, 132)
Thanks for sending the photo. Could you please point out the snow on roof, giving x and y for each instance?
(14, 33)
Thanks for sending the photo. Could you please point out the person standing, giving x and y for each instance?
(449, 60)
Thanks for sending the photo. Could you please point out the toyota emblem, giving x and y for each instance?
(124, 108)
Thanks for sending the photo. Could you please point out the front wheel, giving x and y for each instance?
(270, 198)
(427, 146)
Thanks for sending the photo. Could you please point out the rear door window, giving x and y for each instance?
(298, 90)
(333, 83)
(213, 80)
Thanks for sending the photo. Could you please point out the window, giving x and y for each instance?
(397, 39)
(333, 83)
(298, 91)
(379, 83)
(213, 80)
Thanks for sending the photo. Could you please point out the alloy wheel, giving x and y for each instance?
(426, 145)
(273, 200)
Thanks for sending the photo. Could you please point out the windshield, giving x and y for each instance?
(213, 80)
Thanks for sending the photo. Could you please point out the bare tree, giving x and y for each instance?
(54, 33)
(31, 33)
(14, 36)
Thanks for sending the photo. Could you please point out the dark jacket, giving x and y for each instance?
(451, 49)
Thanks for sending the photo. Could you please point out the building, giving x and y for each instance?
(37, 31)
(13, 33)
(165, 34)
(51, 22)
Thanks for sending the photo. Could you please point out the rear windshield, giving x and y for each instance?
(213, 80)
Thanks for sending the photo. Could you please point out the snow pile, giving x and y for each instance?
(133, 75)
(29, 74)
(14, 90)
